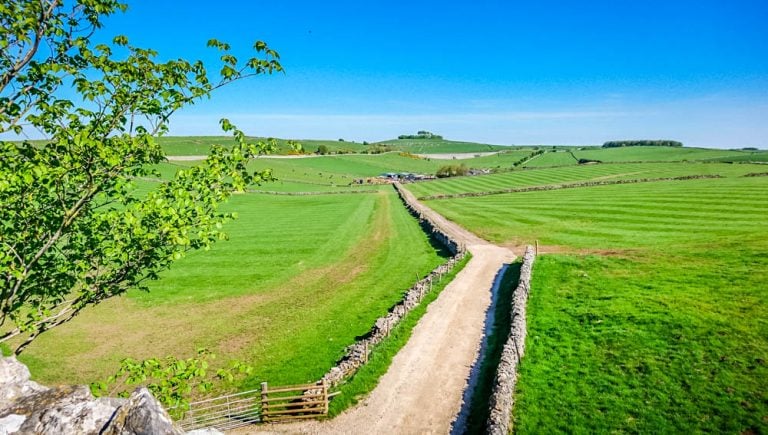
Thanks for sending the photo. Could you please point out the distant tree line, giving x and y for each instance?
(422, 134)
(642, 143)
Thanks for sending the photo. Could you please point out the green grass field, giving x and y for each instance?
(437, 146)
(659, 154)
(571, 174)
(201, 145)
(558, 158)
(649, 315)
(298, 280)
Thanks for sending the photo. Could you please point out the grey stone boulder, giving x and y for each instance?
(141, 414)
(66, 409)
(14, 381)
(29, 408)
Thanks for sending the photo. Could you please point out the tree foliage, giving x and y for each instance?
(171, 380)
(452, 170)
(642, 143)
(421, 134)
(73, 230)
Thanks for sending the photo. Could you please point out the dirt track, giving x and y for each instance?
(422, 390)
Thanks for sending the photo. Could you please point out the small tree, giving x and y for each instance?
(452, 171)
(73, 232)
(322, 150)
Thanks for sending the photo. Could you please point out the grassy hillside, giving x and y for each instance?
(648, 315)
(658, 154)
(201, 145)
(550, 158)
(436, 146)
(298, 280)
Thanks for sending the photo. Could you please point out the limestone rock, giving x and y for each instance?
(14, 381)
(142, 414)
(28, 408)
(58, 410)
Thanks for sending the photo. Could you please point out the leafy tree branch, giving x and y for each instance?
(73, 229)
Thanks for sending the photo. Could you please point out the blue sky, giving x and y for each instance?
(507, 72)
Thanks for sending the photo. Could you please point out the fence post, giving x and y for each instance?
(264, 403)
(537, 248)
(325, 397)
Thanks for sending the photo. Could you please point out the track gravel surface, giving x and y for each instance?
(423, 390)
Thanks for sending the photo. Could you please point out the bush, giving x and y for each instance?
(322, 150)
(452, 171)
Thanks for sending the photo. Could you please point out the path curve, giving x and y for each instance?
(423, 389)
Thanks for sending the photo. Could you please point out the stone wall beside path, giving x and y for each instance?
(357, 354)
(502, 396)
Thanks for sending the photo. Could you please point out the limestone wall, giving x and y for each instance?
(502, 398)
(430, 227)
(357, 354)
(566, 186)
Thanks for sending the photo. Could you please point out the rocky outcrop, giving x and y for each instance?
(502, 397)
(29, 408)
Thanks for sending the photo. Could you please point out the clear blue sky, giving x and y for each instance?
(508, 72)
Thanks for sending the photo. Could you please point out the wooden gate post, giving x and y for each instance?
(325, 397)
(264, 402)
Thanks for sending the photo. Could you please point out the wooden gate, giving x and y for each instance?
(256, 406)
(293, 402)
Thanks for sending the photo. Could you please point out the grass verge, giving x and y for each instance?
(366, 379)
(660, 343)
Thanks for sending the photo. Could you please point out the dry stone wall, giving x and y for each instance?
(502, 397)
(567, 186)
(430, 227)
(357, 354)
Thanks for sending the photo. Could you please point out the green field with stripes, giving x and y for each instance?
(647, 312)
(578, 173)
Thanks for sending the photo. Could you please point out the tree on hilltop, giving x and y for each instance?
(73, 231)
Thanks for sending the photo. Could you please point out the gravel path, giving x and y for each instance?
(422, 390)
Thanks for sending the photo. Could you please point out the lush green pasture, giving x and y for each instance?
(338, 172)
(502, 160)
(650, 315)
(437, 146)
(746, 156)
(558, 158)
(655, 154)
(201, 145)
(298, 280)
(594, 172)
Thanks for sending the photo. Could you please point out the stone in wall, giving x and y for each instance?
(502, 396)
(357, 354)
